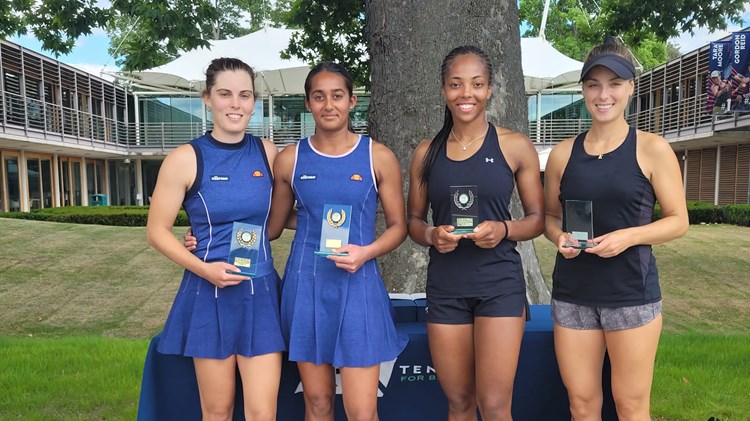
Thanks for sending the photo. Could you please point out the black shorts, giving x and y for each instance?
(458, 311)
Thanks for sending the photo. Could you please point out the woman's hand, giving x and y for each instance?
(441, 238)
(353, 261)
(565, 251)
(612, 244)
(488, 234)
(189, 241)
(217, 274)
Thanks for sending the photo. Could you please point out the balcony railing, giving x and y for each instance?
(54, 123)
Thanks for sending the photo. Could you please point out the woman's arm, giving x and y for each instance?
(553, 171)
(659, 163)
(176, 175)
(417, 206)
(282, 199)
(391, 195)
(524, 161)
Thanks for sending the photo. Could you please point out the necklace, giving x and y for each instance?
(464, 146)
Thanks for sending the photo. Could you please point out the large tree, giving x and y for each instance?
(408, 41)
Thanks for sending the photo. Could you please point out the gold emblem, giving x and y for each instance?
(246, 238)
(337, 218)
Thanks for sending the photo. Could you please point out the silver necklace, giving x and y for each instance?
(464, 146)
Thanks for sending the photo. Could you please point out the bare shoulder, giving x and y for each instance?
(380, 149)
(284, 161)
(182, 155)
(653, 143)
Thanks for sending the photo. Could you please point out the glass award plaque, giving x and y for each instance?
(334, 231)
(579, 222)
(464, 208)
(243, 251)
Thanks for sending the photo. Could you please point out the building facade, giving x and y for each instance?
(69, 138)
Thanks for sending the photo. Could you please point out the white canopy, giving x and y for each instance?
(260, 49)
(543, 156)
(543, 66)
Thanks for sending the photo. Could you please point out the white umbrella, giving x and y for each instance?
(543, 66)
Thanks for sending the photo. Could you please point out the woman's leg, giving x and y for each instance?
(497, 342)
(632, 353)
(452, 350)
(319, 389)
(260, 385)
(216, 387)
(580, 356)
(360, 389)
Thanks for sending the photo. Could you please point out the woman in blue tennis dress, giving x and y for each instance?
(335, 311)
(222, 320)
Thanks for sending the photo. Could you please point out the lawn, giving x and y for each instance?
(66, 288)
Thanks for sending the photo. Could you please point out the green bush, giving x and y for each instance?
(737, 215)
(701, 212)
(127, 216)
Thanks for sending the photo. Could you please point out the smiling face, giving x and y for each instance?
(606, 95)
(329, 101)
(466, 88)
(232, 101)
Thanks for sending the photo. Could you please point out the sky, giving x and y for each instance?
(90, 53)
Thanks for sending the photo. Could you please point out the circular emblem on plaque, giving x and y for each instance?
(463, 200)
(336, 218)
(246, 238)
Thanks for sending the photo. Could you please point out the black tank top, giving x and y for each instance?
(622, 197)
(471, 271)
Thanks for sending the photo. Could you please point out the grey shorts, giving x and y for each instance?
(574, 316)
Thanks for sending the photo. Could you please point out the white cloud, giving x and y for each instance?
(702, 36)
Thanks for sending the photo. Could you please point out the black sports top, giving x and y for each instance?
(471, 271)
(622, 197)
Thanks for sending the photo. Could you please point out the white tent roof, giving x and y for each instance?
(260, 49)
(543, 66)
(543, 156)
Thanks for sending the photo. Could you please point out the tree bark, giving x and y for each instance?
(407, 41)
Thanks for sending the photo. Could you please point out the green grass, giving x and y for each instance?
(89, 378)
(698, 376)
(78, 304)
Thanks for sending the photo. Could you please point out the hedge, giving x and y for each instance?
(707, 213)
(127, 216)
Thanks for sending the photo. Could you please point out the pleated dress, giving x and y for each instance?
(331, 316)
(233, 183)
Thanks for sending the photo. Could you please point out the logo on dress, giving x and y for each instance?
(356, 177)
(219, 178)
(308, 177)
(489, 160)
(257, 173)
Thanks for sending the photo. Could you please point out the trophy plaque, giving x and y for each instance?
(579, 222)
(334, 231)
(464, 208)
(243, 251)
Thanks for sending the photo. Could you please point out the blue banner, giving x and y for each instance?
(739, 78)
(718, 88)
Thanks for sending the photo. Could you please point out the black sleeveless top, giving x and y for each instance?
(471, 271)
(622, 197)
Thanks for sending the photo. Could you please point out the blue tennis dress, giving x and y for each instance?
(331, 316)
(233, 183)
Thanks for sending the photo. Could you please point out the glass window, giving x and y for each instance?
(12, 184)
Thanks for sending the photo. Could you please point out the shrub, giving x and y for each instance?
(128, 216)
(737, 215)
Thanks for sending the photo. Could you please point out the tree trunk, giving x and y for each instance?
(407, 42)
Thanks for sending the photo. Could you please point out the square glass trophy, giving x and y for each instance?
(243, 251)
(334, 232)
(579, 222)
(464, 208)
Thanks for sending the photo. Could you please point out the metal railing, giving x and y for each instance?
(54, 123)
